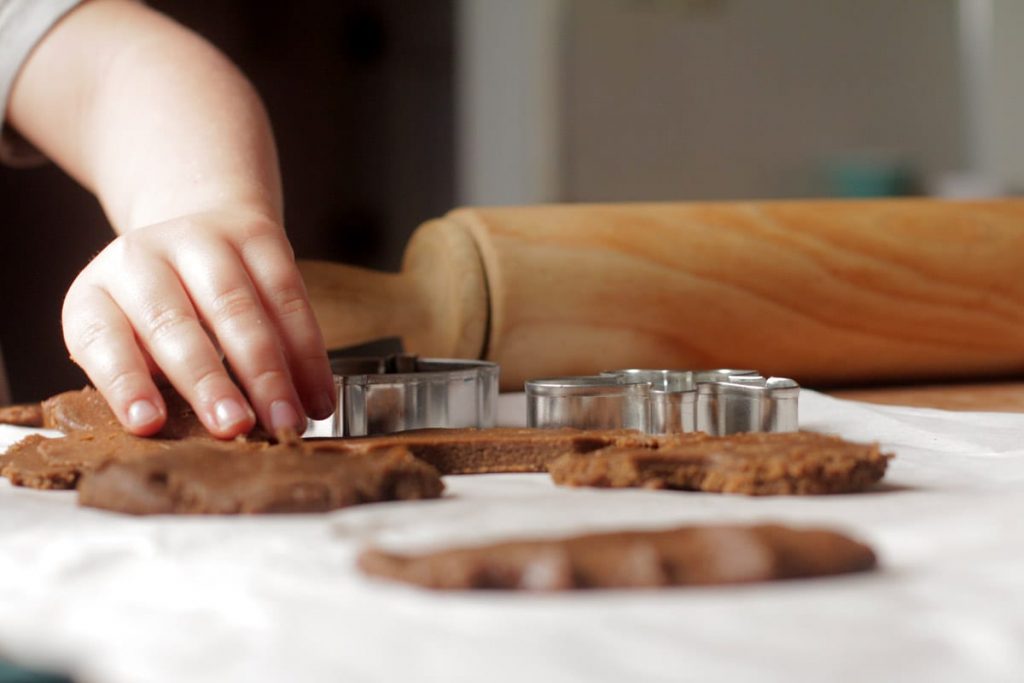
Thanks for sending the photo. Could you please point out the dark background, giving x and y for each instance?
(360, 93)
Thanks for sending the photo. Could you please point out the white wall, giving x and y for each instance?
(676, 99)
(507, 101)
(1004, 138)
(751, 98)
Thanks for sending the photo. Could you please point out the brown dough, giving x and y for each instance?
(685, 556)
(82, 410)
(754, 464)
(22, 415)
(500, 449)
(196, 477)
(87, 410)
(43, 463)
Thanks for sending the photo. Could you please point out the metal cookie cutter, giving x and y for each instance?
(724, 401)
(590, 402)
(399, 392)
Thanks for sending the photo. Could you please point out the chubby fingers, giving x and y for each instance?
(155, 303)
(268, 259)
(102, 342)
(229, 304)
(141, 305)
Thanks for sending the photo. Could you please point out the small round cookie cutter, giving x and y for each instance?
(588, 402)
(718, 402)
(398, 392)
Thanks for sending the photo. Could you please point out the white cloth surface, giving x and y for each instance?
(121, 599)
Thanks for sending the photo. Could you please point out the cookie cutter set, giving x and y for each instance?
(718, 402)
(399, 392)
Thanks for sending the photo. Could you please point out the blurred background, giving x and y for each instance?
(390, 112)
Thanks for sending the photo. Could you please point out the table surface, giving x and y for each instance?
(121, 599)
(1007, 396)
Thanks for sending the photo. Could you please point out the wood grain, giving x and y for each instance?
(826, 292)
(1001, 397)
(821, 291)
(437, 303)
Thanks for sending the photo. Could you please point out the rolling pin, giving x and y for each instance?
(825, 292)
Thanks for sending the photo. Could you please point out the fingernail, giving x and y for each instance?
(142, 413)
(283, 416)
(230, 412)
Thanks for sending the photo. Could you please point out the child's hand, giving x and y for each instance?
(149, 299)
(177, 147)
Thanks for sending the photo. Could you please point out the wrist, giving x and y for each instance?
(167, 205)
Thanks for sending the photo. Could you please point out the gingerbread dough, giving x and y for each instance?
(754, 464)
(501, 449)
(197, 477)
(686, 556)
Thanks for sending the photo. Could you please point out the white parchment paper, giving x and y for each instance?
(277, 598)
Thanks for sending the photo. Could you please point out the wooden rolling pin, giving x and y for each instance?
(824, 292)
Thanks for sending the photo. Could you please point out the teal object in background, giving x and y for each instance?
(863, 177)
(13, 674)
